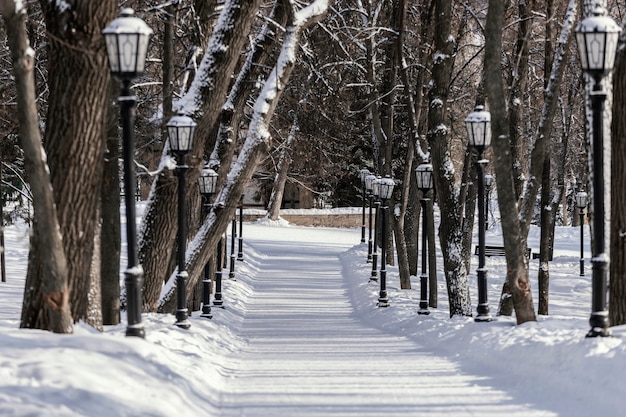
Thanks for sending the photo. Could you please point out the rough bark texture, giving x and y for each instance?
(284, 163)
(111, 234)
(450, 230)
(517, 268)
(75, 140)
(159, 227)
(46, 295)
(617, 285)
(518, 83)
(227, 200)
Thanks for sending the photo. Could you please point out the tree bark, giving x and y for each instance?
(46, 294)
(276, 198)
(617, 284)
(75, 132)
(257, 140)
(517, 264)
(111, 234)
(204, 100)
(450, 230)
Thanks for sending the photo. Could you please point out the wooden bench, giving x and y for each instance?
(536, 255)
(496, 251)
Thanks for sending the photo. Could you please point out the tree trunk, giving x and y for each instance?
(518, 83)
(46, 294)
(111, 235)
(227, 200)
(205, 97)
(617, 285)
(75, 132)
(517, 269)
(450, 229)
(543, 279)
(432, 256)
(276, 198)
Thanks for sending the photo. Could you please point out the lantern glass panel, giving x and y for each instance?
(424, 176)
(369, 180)
(581, 199)
(126, 40)
(207, 181)
(597, 37)
(180, 130)
(478, 125)
(364, 173)
(386, 188)
(376, 187)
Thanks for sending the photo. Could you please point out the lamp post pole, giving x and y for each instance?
(127, 37)
(207, 182)
(233, 236)
(386, 189)
(597, 37)
(488, 183)
(478, 125)
(181, 277)
(581, 202)
(369, 181)
(424, 177)
(240, 253)
(363, 173)
(483, 303)
(133, 275)
(376, 193)
(218, 301)
(180, 130)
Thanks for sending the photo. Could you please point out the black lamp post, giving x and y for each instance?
(369, 181)
(424, 176)
(597, 37)
(385, 189)
(207, 183)
(180, 130)
(376, 193)
(240, 252)
(362, 174)
(233, 237)
(489, 180)
(478, 125)
(581, 202)
(127, 43)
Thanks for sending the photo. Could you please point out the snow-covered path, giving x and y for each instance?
(306, 352)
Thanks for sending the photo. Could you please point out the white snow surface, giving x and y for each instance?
(301, 335)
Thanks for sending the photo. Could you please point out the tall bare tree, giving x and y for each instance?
(46, 302)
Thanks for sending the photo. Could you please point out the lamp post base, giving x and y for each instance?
(383, 301)
(206, 311)
(184, 324)
(483, 318)
(483, 314)
(598, 332)
(136, 331)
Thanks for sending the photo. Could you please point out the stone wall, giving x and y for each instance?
(319, 218)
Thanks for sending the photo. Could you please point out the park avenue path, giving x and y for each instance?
(307, 353)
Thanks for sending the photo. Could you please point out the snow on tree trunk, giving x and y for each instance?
(450, 229)
(204, 100)
(256, 143)
(46, 295)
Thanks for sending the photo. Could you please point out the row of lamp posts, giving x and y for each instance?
(597, 38)
(126, 39)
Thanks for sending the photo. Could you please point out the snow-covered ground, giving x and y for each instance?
(301, 336)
